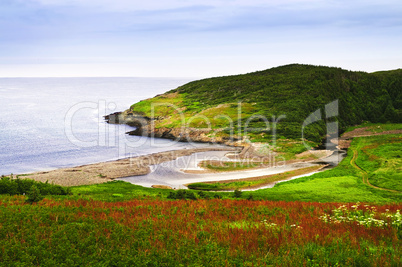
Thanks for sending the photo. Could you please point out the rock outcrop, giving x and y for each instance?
(146, 126)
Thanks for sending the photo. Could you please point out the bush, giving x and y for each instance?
(23, 186)
(182, 194)
(34, 195)
(203, 195)
(237, 193)
(8, 187)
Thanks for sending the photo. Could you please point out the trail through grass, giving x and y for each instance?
(372, 163)
(365, 174)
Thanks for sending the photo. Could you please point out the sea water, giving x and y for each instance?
(48, 123)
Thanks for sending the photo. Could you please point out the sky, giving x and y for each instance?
(194, 38)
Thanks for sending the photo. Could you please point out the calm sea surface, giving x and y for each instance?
(48, 123)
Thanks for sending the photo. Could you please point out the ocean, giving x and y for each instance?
(49, 123)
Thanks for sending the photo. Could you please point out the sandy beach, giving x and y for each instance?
(107, 171)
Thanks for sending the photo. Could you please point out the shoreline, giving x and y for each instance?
(171, 175)
(103, 172)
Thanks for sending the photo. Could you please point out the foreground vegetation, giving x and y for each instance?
(195, 233)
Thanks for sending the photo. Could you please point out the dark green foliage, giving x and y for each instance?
(298, 90)
(203, 195)
(34, 195)
(23, 186)
(203, 186)
(237, 193)
(182, 194)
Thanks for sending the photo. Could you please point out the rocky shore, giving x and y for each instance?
(145, 126)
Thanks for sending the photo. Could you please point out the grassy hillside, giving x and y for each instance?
(293, 90)
(371, 172)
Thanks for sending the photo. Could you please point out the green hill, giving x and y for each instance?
(294, 91)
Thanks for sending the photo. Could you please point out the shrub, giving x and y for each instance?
(203, 195)
(237, 193)
(182, 194)
(34, 195)
(23, 186)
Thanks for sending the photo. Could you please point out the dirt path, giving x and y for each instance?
(365, 174)
(345, 140)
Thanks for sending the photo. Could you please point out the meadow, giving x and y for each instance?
(151, 232)
(371, 172)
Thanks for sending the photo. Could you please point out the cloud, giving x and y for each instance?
(130, 5)
(91, 16)
(84, 31)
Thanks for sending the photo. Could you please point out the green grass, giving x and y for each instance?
(344, 182)
(332, 189)
(117, 191)
(381, 157)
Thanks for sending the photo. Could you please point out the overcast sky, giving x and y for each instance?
(194, 38)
